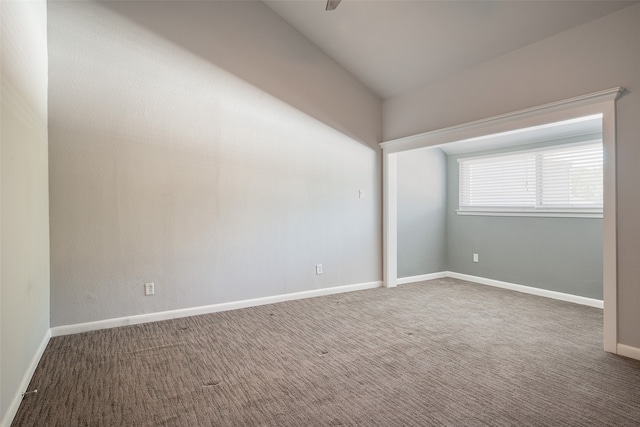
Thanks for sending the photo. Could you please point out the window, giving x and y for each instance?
(554, 181)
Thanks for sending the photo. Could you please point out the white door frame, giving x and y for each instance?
(602, 102)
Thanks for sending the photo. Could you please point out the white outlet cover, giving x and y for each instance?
(149, 289)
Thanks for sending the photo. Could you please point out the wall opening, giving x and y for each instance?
(601, 104)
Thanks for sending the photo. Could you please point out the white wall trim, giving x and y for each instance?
(591, 302)
(497, 123)
(541, 214)
(610, 227)
(390, 220)
(421, 277)
(206, 309)
(628, 351)
(26, 379)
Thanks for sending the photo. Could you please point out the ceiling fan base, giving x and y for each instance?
(332, 4)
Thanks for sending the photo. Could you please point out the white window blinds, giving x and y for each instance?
(554, 179)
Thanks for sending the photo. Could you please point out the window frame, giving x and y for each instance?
(562, 212)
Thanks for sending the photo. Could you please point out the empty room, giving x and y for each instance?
(319, 213)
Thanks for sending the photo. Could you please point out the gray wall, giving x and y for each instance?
(558, 254)
(422, 201)
(597, 55)
(24, 217)
(219, 156)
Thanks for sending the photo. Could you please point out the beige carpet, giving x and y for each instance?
(444, 352)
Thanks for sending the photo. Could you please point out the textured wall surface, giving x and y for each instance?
(422, 201)
(557, 254)
(597, 55)
(24, 227)
(220, 157)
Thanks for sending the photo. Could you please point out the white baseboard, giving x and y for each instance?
(628, 351)
(194, 311)
(421, 278)
(26, 379)
(529, 290)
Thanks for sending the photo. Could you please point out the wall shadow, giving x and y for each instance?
(250, 41)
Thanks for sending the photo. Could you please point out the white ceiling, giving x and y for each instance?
(396, 46)
(590, 126)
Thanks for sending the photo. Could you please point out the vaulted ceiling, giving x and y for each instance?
(396, 46)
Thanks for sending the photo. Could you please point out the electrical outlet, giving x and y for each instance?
(475, 257)
(149, 289)
(361, 194)
(318, 268)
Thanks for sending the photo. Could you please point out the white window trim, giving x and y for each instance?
(550, 213)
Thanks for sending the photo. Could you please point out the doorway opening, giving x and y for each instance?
(530, 121)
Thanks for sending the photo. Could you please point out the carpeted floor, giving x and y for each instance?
(443, 352)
